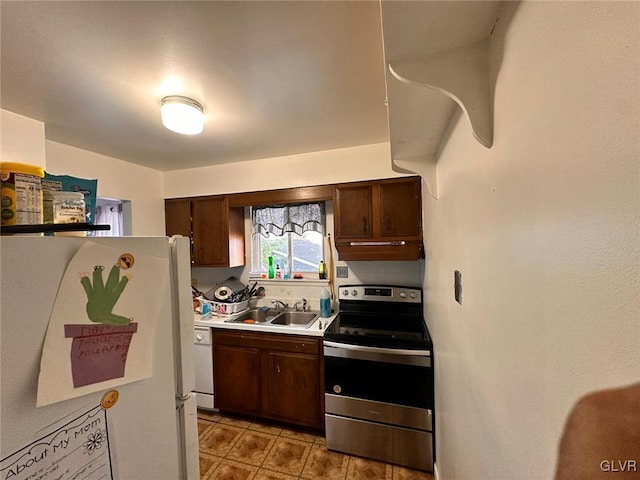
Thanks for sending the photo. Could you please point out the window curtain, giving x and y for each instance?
(278, 220)
(109, 215)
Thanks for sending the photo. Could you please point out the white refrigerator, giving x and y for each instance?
(104, 427)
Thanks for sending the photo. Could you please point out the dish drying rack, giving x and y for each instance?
(231, 303)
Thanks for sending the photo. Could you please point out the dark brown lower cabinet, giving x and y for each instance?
(293, 387)
(272, 376)
(237, 380)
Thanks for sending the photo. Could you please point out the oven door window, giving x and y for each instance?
(380, 381)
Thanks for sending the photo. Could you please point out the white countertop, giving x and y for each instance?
(316, 329)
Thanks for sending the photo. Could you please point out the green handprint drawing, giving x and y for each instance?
(102, 298)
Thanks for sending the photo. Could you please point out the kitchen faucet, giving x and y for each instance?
(304, 305)
(279, 304)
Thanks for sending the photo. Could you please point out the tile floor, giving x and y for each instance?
(235, 449)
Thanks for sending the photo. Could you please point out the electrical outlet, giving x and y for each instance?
(342, 272)
(457, 286)
(194, 282)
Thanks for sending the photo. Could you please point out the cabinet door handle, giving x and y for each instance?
(276, 367)
(394, 243)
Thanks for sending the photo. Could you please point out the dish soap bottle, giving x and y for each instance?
(271, 271)
(278, 271)
(325, 303)
(322, 270)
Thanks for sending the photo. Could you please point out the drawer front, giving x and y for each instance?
(402, 446)
(285, 343)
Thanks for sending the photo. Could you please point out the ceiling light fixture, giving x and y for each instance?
(182, 115)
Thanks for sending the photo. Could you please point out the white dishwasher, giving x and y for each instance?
(203, 362)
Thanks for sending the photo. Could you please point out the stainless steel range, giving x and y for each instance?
(379, 376)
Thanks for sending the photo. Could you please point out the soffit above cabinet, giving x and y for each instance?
(436, 60)
(415, 29)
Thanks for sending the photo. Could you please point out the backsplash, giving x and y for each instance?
(291, 291)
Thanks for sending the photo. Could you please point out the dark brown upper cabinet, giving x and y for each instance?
(373, 220)
(353, 210)
(379, 220)
(177, 217)
(215, 229)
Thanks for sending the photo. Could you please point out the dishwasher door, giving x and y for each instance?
(203, 361)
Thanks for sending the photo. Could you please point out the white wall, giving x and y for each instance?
(116, 179)
(21, 139)
(316, 168)
(544, 227)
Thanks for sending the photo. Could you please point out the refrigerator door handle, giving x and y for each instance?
(181, 398)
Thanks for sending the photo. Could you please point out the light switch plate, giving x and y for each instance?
(342, 272)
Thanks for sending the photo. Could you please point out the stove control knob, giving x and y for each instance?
(403, 295)
(413, 295)
(337, 389)
(354, 293)
(345, 292)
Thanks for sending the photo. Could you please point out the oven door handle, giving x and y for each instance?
(420, 358)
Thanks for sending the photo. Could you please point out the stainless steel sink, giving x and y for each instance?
(297, 319)
(255, 315)
(262, 316)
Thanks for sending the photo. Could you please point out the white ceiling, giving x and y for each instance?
(276, 78)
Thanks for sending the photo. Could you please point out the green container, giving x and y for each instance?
(272, 273)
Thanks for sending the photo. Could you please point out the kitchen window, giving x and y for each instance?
(292, 234)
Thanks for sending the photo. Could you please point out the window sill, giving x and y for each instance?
(305, 281)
